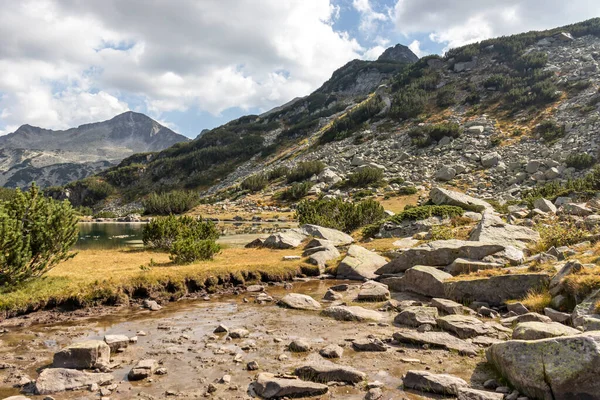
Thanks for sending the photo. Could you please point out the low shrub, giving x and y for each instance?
(441, 232)
(175, 202)
(295, 192)
(446, 97)
(255, 183)
(407, 190)
(188, 250)
(365, 177)
(423, 212)
(339, 214)
(424, 135)
(304, 170)
(550, 131)
(580, 160)
(105, 214)
(277, 173)
(559, 234)
(162, 233)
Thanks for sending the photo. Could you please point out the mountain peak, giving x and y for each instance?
(398, 53)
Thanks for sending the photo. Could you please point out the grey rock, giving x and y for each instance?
(332, 351)
(143, 370)
(299, 346)
(289, 239)
(447, 306)
(373, 291)
(351, 313)
(557, 316)
(445, 174)
(360, 264)
(463, 266)
(585, 314)
(517, 308)
(368, 345)
(326, 371)
(239, 333)
(544, 205)
(338, 238)
(416, 316)
(495, 289)
(492, 229)
(541, 330)
(529, 317)
(56, 380)
(452, 198)
(116, 342)
(474, 394)
(84, 355)
(463, 326)
(299, 302)
(437, 339)
(269, 386)
(428, 281)
(433, 383)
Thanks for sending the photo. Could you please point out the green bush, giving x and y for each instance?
(365, 177)
(175, 202)
(424, 135)
(255, 183)
(162, 233)
(409, 103)
(304, 170)
(277, 173)
(105, 214)
(407, 190)
(36, 233)
(295, 192)
(446, 97)
(423, 212)
(580, 160)
(338, 214)
(550, 131)
(7, 194)
(188, 250)
(585, 187)
(346, 125)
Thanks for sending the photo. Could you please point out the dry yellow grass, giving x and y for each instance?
(397, 204)
(536, 301)
(109, 275)
(380, 245)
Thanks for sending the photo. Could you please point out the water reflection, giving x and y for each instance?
(100, 236)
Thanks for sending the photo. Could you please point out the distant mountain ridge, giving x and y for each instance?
(56, 157)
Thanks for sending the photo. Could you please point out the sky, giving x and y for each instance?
(196, 64)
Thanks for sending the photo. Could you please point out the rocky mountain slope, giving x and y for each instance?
(57, 157)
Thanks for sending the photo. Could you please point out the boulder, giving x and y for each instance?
(299, 302)
(491, 228)
(565, 367)
(142, 370)
(433, 383)
(439, 253)
(360, 264)
(579, 209)
(368, 345)
(490, 160)
(437, 339)
(544, 205)
(239, 333)
(517, 308)
(495, 289)
(55, 380)
(529, 317)
(462, 266)
(445, 174)
(116, 342)
(463, 326)
(542, 330)
(289, 239)
(373, 291)
(84, 355)
(417, 316)
(338, 238)
(586, 313)
(331, 295)
(474, 394)
(323, 255)
(332, 351)
(420, 279)
(351, 313)
(452, 198)
(557, 316)
(269, 386)
(447, 306)
(326, 371)
(299, 346)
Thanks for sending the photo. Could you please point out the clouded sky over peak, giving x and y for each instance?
(197, 64)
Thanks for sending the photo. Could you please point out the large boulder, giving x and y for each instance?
(542, 330)
(491, 228)
(420, 279)
(338, 238)
(495, 289)
(299, 302)
(566, 367)
(439, 253)
(289, 239)
(55, 380)
(83, 355)
(326, 371)
(360, 264)
(586, 313)
(116, 342)
(433, 383)
(373, 291)
(417, 316)
(351, 313)
(437, 339)
(270, 386)
(447, 306)
(452, 198)
(322, 255)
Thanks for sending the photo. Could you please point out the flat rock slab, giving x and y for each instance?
(463, 266)
(338, 238)
(142, 370)
(439, 253)
(360, 264)
(442, 196)
(327, 371)
(324, 256)
(565, 367)
(529, 317)
(495, 289)
(417, 316)
(420, 279)
(116, 342)
(369, 345)
(542, 330)
(463, 326)
(491, 228)
(474, 394)
(373, 291)
(55, 380)
(351, 313)
(433, 383)
(83, 355)
(289, 239)
(270, 386)
(447, 306)
(299, 302)
(437, 339)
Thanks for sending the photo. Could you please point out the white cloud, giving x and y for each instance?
(415, 47)
(369, 18)
(77, 59)
(373, 53)
(457, 22)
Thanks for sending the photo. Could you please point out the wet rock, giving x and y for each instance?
(439, 253)
(330, 295)
(56, 380)
(463, 326)
(420, 279)
(437, 339)
(373, 291)
(559, 368)
(142, 370)
(359, 264)
(84, 355)
(542, 330)
(332, 351)
(239, 333)
(447, 306)
(374, 394)
(474, 394)
(452, 198)
(338, 238)
(299, 346)
(326, 371)
(299, 302)
(351, 313)
(433, 383)
(151, 305)
(116, 342)
(255, 288)
(492, 229)
(221, 329)
(269, 386)
(416, 316)
(368, 345)
(495, 289)
(289, 239)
